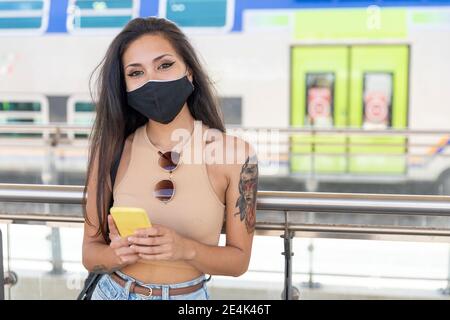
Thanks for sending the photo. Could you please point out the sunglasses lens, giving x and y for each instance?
(164, 190)
(169, 160)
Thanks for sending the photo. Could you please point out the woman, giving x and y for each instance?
(151, 86)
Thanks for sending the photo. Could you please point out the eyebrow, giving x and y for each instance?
(154, 60)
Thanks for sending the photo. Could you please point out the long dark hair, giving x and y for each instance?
(115, 120)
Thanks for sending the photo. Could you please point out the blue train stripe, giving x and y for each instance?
(58, 16)
(58, 8)
(148, 8)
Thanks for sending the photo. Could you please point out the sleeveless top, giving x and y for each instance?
(195, 211)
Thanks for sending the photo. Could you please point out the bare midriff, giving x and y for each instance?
(161, 273)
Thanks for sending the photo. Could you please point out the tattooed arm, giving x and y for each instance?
(233, 259)
(98, 257)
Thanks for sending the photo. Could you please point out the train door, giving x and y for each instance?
(80, 112)
(24, 109)
(319, 92)
(378, 101)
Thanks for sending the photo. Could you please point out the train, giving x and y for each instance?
(365, 82)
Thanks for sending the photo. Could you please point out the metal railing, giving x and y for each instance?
(270, 205)
(414, 148)
(422, 155)
(62, 127)
(55, 131)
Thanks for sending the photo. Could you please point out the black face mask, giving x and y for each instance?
(161, 100)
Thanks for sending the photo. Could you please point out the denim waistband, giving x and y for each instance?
(188, 283)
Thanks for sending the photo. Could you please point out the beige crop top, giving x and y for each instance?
(195, 211)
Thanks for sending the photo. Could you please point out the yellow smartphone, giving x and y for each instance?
(128, 219)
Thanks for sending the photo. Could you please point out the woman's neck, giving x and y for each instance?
(160, 134)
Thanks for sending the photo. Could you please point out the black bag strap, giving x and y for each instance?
(113, 174)
(93, 278)
(114, 168)
(90, 281)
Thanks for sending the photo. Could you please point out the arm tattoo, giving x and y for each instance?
(102, 269)
(248, 185)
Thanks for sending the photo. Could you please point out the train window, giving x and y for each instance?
(20, 16)
(84, 107)
(319, 99)
(20, 106)
(97, 16)
(199, 15)
(232, 110)
(80, 112)
(19, 111)
(19, 135)
(84, 116)
(377, 100)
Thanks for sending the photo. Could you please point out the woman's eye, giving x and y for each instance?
(134, 73)
(166, 65)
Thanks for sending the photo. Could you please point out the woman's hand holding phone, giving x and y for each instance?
(121, 246)
(161, 243)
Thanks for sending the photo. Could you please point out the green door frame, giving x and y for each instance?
(379, 154)
(318, 59)
(348, 108)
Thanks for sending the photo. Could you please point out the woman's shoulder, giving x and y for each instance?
(231, 145)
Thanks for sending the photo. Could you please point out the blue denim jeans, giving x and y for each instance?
(108, 289)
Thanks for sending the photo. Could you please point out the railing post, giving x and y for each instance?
(2, 273)
(311, 284)
(55, 242)
(50, 177)
(288, 288)
(310, 251)
(446, 290)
